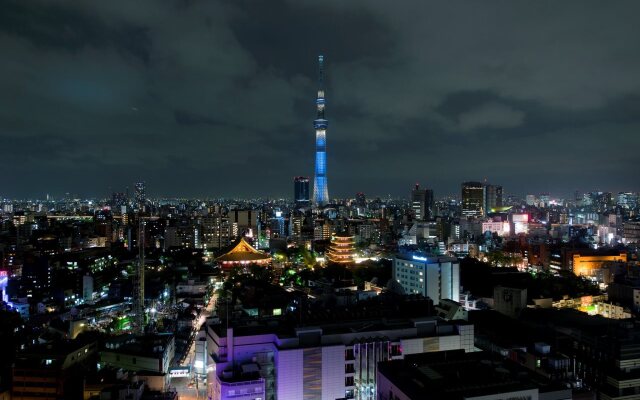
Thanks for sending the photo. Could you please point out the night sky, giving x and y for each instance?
(217, 98)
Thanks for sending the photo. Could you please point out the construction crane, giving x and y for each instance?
(138, 281)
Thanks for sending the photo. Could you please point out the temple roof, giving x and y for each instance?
(243, 251)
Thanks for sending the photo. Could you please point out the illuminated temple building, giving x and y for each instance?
(242, 254)
(342, 249)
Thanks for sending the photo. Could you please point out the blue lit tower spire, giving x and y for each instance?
(320, 189)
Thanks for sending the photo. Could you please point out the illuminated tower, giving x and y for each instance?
(320, 189)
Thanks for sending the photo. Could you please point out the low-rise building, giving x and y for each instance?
(613, 311)
(52, 371)
(191, 287)
(450, 310)
(509, 301)
(456, 375)
(589, 264)
(331, 361)
(149, 356)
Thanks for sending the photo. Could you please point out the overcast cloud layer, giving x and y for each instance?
(216, 98)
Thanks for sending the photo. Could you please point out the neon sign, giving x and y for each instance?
(418, 258)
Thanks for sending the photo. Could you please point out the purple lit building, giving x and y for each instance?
(331, 361)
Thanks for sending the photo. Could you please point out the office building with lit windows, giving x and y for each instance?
(492, 198)
(140, 193)
(473, 199)
(301, 191)
(436, 277)
(627, 200)
(422, 203)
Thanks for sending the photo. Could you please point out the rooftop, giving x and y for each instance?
(243, 252)
(53, 353)
(456, 375)
(424, 257)
(375, 327)
(148, 345)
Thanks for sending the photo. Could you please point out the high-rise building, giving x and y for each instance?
(436, 277)
(544, 199)
(140, 193)
(243, 222)
(296, 221)
(118, 200)
(627, 200)
(320, 188)
(216, 231)
(301, 191)
(422, 203)
(36, 274)
(472, 199)
(531, 200)
(321, 229)
(601, 201)
(631, 232)
(278, 224)
(361, 200)
(492, 198)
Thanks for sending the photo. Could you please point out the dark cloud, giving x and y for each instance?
(491, 115)
(217, 97)
(288, 36)
(51, 25)
(186, 118)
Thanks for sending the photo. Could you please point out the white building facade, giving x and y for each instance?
(328, 362)
(436, 277)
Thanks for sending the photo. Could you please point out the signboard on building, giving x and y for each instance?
(179, 372)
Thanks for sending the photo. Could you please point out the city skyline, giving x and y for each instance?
(109, 192)
(182, 217)
(113, 93)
